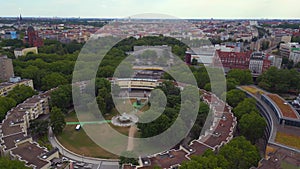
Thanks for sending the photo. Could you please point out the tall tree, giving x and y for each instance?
(53, 80)
(6, 104)
(246, 106)
(240, 153)
(57, 120)
(233, 97)
(39, 127)
(11, 164)
(243, 77)
(62, 97)
(252, 126)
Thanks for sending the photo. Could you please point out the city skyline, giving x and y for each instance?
(217, 9)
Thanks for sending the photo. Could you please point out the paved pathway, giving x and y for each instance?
(88, 122)
(132, 131)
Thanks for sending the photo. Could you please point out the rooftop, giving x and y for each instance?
(10, 141)
(30, 151)
(285, 109)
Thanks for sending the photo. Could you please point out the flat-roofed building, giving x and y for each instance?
(6, 68)
(6, 87)
(23, 52)
(14, 139)
(259, 63)
(286, 48)
(295, 55)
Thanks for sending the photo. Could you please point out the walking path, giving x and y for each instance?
(88, 122)
(130, 143)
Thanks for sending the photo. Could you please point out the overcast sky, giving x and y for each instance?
(223, 9)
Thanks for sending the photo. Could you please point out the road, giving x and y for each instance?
(100, 163)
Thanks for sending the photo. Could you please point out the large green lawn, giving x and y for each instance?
(80, 143)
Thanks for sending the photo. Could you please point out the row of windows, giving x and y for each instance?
(285, 121)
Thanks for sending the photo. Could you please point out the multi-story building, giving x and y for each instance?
(256, 62)
(23, 52)
(203, 55)
(295, 55)
(6, 68)
(259, 63)
(6, 87)
(14, 138)
(32, 38)
(232, 60)
(286, 48)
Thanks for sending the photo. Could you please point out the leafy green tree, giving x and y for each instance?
(252, 126)
(62, 97)
(11, 164)
(201, 76)
(104, 97)
(6, 104)
(57, 120)
(154, 127)
(246, 106)
(39, 127)
(201, 118)
(231, 83)
(280, 80)
(240, 153)
(243, 77)
(16, 43)
(128, 157)
(34, 73)
(53, 80)
(101, 104)
(21, 93)
(208, 160)
(234, 97)
(102, 83)
(169, 88)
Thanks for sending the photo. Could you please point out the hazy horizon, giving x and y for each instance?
(192, 9)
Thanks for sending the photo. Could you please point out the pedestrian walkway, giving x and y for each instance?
(88, 122)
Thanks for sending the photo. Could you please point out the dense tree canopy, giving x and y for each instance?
(233, 97)
(238, 153)
(252, 126)
(280, 80)
(6, 104)
(165, 120)
(243, 77)
(21, 93)
(57, 120)
(38, 127)
(201, 118)
(53, 80)
(246, 106)
(62, 97)
(11, 164)
(209, 160)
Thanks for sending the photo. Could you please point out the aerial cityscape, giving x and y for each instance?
(148, 84)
